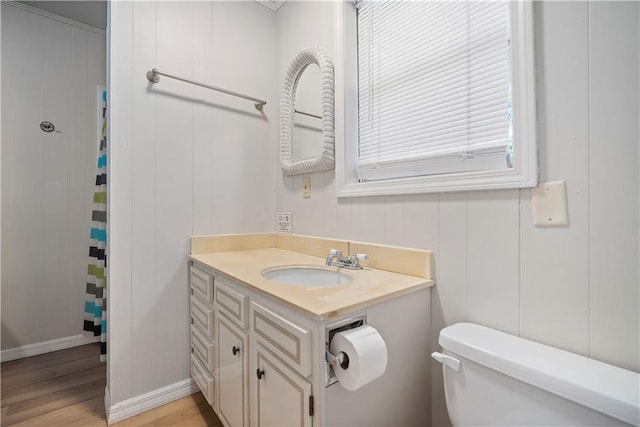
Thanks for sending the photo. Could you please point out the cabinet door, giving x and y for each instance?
(233, 408)
(280, 396)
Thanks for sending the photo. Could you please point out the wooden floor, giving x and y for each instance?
(66, 388)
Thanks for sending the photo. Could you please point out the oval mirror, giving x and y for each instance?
(307, 114)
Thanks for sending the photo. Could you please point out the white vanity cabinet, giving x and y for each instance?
(232, 370)
(281, 363)
(280, 396)
(202, 332)
(260, 366)
(232, 391)
(261, 362)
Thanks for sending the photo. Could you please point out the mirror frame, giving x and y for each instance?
(326, 159)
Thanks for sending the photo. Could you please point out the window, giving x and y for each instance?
(438, 96)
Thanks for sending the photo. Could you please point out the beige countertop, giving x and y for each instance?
(369, 286)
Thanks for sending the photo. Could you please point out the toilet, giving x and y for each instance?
(495, 379)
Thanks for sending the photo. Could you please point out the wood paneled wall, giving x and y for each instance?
(184, 161)
(50, 71)
(572, 287)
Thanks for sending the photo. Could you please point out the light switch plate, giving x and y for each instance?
(549, 204)
(306, 187)
(283, 222)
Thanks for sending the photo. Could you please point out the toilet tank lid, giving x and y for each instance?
(605, 388)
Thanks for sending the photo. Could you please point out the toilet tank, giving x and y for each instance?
(504, 380)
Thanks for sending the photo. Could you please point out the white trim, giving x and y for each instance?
(345, 157)
(107, 399)
(46, 347)
(1, 143)
(524, 171)
(151, 400)
(108, 84)
(466, 181)
(53, 16)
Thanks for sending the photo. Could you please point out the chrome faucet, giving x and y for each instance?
(333, 253)
(351, 262)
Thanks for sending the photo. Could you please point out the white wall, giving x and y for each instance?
(303, 24)
(574, 287)
(50, 71)
(188, 161)
(183, 160)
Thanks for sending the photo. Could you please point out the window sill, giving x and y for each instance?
(468, 181)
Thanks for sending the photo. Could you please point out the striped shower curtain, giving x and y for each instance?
(95, 308)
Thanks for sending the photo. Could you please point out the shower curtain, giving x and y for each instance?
(95, 316)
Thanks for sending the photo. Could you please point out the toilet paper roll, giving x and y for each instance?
(367, 353)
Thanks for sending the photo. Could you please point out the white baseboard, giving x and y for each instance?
(145, 402)
(107, 400)
(46, 347)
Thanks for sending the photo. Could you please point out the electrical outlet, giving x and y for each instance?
(306, 187)
(283, 222)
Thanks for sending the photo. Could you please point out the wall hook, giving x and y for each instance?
(48, 127)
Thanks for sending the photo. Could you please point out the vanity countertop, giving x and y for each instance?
(369, 286)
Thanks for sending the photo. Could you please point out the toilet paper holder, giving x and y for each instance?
(341, 359)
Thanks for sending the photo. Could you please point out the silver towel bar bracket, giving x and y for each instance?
(307, 114)
(154, 77)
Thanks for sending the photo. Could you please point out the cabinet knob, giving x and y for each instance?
(235, 350)
(259, 373)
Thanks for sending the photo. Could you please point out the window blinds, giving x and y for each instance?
(434, 83)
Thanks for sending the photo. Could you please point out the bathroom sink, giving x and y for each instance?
(306, 275)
